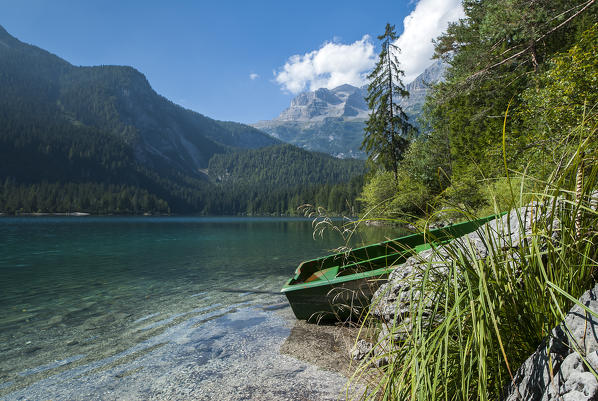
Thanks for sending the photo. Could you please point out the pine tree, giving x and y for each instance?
(387, 128)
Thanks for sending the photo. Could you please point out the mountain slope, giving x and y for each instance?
(282, 177)
(101, 140)
(282, 166)
(332, 120)
(119, 101)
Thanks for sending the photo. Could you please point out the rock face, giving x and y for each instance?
(343, 101)
(361, 350)
(332, 120)
(324, 120)
(419, 87)
(565, 365)
(391, 302)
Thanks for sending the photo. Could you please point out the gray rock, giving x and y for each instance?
(533, 378)
(564, 349)
(581, 326)
(361, 350)
(572, 363)
(581, 385)
(393, 299)
(575, 396)
(592, 360)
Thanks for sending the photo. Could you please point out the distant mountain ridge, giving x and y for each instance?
(419, 87)
(344, 101)
(119, 100)
(101, 140)
(332, 120)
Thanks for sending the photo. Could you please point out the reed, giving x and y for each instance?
(474, 320)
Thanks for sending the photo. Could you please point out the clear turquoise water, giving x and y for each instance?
(87, 293)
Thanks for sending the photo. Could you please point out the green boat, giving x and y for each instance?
(338, 287)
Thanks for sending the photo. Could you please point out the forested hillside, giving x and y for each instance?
(282, 177)
(282, 166)
(540, 64)
(101, 140)
(117, 101)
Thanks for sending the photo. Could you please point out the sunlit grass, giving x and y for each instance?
(474, 319)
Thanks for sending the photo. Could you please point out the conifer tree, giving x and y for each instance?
(387, 127)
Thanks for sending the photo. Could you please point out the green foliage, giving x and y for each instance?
(388, 197)
(428, 161)
(282, 166)
(494, 55)
(412, 196)
(564, 99)
(465, 193)
(378, 193)
(280, 178)
(387, 129)
(497, 194)
(78, 197)
(474, 319)
(536, 59)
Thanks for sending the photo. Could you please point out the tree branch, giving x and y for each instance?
(531, 46)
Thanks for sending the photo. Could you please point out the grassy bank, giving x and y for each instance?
(473, 321)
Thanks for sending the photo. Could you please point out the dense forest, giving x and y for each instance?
(100, 140)
(273, 180)
(278, 179)
(530, 70)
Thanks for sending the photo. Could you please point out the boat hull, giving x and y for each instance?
(340, 287)
(335, 301)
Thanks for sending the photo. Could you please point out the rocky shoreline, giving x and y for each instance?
(565, 364)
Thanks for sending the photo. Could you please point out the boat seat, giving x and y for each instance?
(326, 274)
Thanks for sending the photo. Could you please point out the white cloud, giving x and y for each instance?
(332, 65)
(253, 76)
(429, 19)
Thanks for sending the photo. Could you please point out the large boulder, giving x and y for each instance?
(392, 301)
(565, 364)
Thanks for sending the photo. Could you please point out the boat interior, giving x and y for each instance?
(382, 255)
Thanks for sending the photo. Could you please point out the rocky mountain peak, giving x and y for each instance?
(332, 120)
(345, 88)
(342, 101)
(418, 88)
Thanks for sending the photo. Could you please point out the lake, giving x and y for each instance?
(155, 308)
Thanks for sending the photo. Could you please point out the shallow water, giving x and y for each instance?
(139, 308)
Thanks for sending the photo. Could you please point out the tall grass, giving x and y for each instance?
(474, 319)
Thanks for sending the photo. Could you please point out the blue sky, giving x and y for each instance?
(230, 60)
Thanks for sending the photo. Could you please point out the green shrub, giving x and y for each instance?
(478, 319)
(384, 197)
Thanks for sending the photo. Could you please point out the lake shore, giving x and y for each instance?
(141, 308)
(244, 353)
